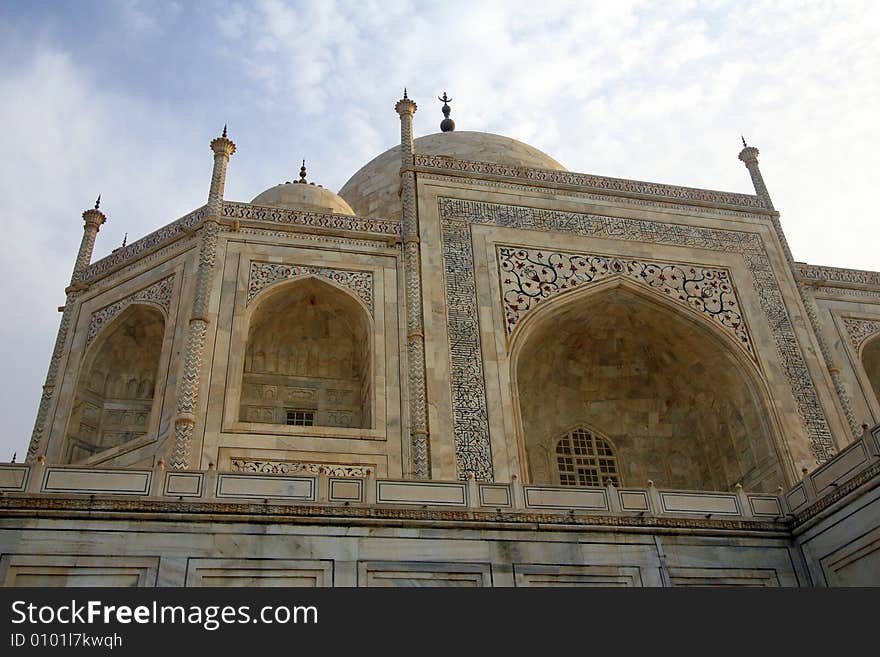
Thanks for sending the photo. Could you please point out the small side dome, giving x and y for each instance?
(309, 197)
(303, 195)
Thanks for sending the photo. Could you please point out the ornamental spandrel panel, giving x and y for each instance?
(860, 330)
(529, 277)
(265, 274)
(158, 294)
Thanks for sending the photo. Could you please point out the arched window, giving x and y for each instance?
(114, 395)
(585, 459)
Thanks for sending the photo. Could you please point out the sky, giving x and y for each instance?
(122, 98)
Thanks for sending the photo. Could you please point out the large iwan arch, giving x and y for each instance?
(682, 403)
(871, 363)
(308, 357)
(116, 387)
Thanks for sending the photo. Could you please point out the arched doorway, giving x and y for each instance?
(116, 387)
(307, 360)
(871, 363)
(680, 404)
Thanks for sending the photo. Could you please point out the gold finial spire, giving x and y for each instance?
(447, 124)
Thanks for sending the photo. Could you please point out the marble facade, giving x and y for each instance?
(461, 306)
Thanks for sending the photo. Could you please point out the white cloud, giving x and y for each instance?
(656, 91)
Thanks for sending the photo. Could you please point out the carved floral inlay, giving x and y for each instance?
(310, 219)
(264, 274)
(157, 294)
(530, 276)
(296, 467)
(860, 330)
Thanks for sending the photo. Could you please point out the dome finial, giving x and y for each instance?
(224, 131)
(405, 97)
(302, 173)
(447, 124)
(124, 240)
(98, 202)
(745, 145)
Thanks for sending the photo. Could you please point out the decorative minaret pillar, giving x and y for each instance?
(93, 218)
(193, 362)
(415, 337)
(749, 156)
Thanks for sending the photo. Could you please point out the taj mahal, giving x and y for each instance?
(469, 367)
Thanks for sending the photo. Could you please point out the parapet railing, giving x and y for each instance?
(858, 462)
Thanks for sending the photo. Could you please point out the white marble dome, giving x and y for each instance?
(303, 196)
(373, 190)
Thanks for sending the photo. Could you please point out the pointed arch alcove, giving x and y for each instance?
(871, 363)
(115, 392)
(307, 361)
(681, 402)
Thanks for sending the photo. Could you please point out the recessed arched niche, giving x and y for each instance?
(116, 387)
(871, 363)
(623, 375)
(308, 358)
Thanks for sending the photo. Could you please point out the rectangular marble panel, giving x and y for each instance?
(115, 482)
(494, 495)
(855, 563)
(765, 505)
(259, 573)
(266, 486)
(840, 468)
(411, 492)
(580, 576)
(545, 497)
(796, 497)
(720, 503)
(419, 574)
(183, 484)
(693, 577)
(345, 489)
(633, 500)
(13, 477)
(76, 571)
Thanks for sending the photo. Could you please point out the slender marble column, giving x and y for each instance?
(93, 218)
(194, 358)
(415, 337)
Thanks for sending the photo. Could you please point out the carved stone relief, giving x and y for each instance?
(157, 294)
(527, 277)
(860, 330)
(295, 467)
(264, 274)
